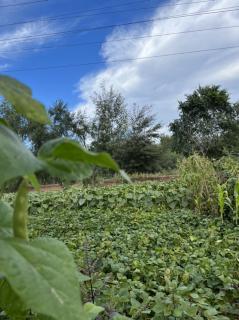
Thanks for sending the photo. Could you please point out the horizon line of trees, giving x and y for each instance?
(208, 124)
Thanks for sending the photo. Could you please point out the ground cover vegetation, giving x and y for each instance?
(155, 250)
(146, 251)
(38, 277)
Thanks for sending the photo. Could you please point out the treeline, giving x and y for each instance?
(131, 137)
(208, 124)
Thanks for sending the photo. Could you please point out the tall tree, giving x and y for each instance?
(206, 118)
(35, 134)
(139, 152)
(82, 127)
(62, 122)
(230, 138)
(62, 125)
(18, 123)
(167, 157)
(110, 123)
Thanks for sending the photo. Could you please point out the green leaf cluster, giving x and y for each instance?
(144, 260)
(38, 278)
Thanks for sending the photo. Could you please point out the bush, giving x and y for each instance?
(142, 259)
(227, 168)
(197, 173)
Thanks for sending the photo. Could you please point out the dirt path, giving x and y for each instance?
(111, 182)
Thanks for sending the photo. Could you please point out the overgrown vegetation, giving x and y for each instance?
(147, 251)
(199, 176)
(38, 278)
(132, 137)
(142, 256)
(208, 123)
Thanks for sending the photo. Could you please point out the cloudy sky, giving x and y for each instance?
(67, 49)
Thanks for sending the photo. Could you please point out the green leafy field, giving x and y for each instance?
(143, 256)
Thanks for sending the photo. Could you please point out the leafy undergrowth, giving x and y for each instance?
(171, 195)
(142, 259)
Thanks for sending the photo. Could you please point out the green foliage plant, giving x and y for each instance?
(144, 260)
(38, 278)
(199, 176)
(236, 199)
(207, 124)
(227, 168)
(223, 199)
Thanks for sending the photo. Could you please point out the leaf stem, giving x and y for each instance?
(20, 215)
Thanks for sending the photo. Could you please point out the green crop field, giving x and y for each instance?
(145, 251)
(144, 254)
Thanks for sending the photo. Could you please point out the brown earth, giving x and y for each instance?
(111, 182)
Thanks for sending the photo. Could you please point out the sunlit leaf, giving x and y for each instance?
(67, 159)
(6, 215)
(16, 160)
(43, 274)
(20, 96)
(92, 310)
(11, 303)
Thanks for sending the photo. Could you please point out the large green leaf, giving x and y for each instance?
(6, 216)
(43, 274)
(20, 212)
(92, 310)
(20, 97)
(68, 159)
(68, 170)
(15, 159)
(3, 122)
(10, 302)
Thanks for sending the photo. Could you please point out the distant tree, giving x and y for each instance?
(167, 157)
(62, 122)
(206, 119)
(82, 127)
(139, 151)
(110, 124)
(230, 138)
(18, 123)
(35, 134)
(61, 126)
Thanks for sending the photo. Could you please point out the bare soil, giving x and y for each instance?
(111, 182)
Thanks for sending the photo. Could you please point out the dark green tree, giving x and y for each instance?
(110, 124)
(206, 119)
(230, 138)
(139, 152)
(167, 157)
(18, 123)
(35, 134)
(82, 127)
(62, 120)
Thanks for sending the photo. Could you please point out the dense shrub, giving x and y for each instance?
(199, 176)
(227, 168)
(143, 260)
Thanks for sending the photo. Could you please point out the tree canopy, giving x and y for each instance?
(207, 120)
(208, 124)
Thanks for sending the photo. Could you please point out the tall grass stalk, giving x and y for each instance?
(236, 197)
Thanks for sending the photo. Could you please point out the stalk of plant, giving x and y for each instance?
(39, 274)
(221, 199)
(20, 212)
(236, 197)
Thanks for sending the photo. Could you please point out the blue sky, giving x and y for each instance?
(53, 84)
(158, 82)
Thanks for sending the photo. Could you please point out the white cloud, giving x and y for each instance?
(11, 48)
(11, 44)
(4, 66)
(163, 81)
